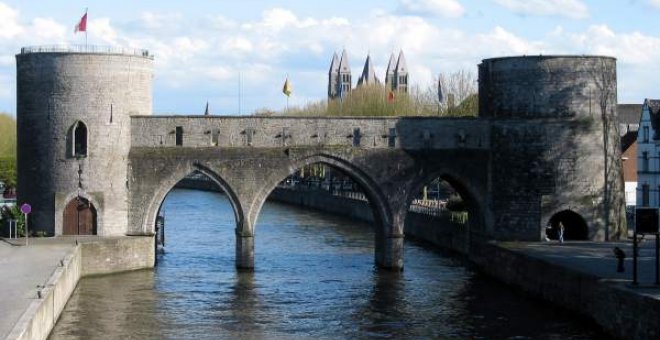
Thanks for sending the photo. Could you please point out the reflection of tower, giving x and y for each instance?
(339, 76)
(73, 112)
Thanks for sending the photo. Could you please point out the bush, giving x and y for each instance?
(12, 213)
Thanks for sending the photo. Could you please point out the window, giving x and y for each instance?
(645, 195)
(80, 140)
(646, 134)
(179, 135)
(645, 161)
(356, 137)
(391, 138)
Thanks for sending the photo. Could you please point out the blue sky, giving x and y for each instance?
(201, 47)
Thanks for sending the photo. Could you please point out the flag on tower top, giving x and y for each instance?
(287, 89)
(82, 25)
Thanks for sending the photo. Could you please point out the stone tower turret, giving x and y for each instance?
(74, 135)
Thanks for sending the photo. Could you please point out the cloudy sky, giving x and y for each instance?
(201, 47)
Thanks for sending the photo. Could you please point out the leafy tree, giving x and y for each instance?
(8, 150)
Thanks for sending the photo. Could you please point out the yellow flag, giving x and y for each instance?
(287, 89)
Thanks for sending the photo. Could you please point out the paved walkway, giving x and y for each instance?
(22, 269)
(597, 258)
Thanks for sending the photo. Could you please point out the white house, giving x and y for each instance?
(648, 155)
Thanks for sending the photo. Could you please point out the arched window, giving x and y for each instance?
(79, 140)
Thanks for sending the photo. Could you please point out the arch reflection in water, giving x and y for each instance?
(315, 278)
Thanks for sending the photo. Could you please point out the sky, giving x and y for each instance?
(204, 49)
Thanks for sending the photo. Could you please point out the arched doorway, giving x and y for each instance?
(79, 217)
(575, 228)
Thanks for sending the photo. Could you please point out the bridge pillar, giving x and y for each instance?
(244, 250)
(389, 252)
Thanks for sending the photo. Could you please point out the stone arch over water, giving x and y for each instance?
(382, 211)
(165, 186)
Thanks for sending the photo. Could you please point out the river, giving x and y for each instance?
(314, 278)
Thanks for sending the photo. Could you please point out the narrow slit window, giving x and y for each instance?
(179, 135)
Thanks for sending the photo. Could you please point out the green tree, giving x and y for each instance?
(8, 150)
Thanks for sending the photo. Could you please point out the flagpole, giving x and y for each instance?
(85, 28)
(239, 92)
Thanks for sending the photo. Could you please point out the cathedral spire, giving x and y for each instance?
(368, 73)
(389, 74)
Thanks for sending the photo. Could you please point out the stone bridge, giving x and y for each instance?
(248, 157)
(93, 159)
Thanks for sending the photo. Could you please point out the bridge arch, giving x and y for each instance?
(166, 185)
(470, 190)
(381, 209)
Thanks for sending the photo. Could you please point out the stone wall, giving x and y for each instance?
(621, 311)
(227, 131)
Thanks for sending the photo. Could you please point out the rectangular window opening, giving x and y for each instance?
(179, 135)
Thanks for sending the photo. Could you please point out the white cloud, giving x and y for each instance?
(575, 9)
(443, 8)
(654, 3)
(9, 27)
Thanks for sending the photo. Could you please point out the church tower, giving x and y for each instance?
(345, 80)
(368, 74)
(401, 74)
(339, 76)
(333, 77)
(389, 74)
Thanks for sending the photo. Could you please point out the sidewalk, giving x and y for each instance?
(22, 270)
(596, 258)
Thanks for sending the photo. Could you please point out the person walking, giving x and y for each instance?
(561, 232)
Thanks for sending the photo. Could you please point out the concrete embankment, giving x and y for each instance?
(577, 276)
(42, 304)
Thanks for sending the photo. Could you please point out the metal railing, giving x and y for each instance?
(94, 49)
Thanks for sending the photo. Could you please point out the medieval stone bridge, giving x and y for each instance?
(92, 158)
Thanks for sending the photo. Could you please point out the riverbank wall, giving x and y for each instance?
(440, 231)
(621, 311)
(90, 256)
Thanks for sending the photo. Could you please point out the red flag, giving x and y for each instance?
(82, 25)
(390, 97)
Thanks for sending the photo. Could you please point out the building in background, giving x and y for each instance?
(648, 155)
(340, 79)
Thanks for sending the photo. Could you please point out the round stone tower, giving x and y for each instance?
(555, 130)
(73, 111)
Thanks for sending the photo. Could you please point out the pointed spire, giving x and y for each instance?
(389, 74)
(391, 65)
(334, 64)
(368, 74)
(206, 111)
(343, 62)
(401, 66)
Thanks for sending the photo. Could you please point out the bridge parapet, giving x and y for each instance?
(415, 133)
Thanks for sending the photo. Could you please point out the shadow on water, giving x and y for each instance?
(314, 277)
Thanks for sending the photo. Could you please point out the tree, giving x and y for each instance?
(8, 150)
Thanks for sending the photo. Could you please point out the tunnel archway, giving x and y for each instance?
(575, 227)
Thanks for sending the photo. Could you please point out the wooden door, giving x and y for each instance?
(79, 218)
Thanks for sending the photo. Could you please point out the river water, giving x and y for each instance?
(314, 277)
